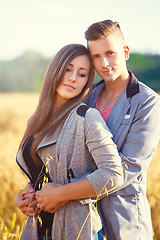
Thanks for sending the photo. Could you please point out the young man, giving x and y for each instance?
(132, 113)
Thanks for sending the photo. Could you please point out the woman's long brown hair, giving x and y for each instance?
(44, 121)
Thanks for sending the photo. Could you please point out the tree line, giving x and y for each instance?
(26, 72)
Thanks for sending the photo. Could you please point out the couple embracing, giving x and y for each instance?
(87, 148)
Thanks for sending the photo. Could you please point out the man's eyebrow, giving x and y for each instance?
(95, 54)
(108, 51)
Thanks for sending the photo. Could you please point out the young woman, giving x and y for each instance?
(65, 140)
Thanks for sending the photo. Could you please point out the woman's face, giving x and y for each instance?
(74, 79)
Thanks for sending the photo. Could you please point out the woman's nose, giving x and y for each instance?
(72, 77)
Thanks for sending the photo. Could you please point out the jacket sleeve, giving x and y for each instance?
(109, 174)
(140, 143)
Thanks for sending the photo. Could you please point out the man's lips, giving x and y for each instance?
(107, 71)
(69, 86)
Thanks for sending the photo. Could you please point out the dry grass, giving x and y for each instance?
(15, 109)
(153, 192)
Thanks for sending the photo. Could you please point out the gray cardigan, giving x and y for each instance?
(84, 144)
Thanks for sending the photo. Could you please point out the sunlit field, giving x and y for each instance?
(15, 109)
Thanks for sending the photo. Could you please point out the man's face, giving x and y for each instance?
(109, 57)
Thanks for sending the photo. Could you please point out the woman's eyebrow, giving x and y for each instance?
(83, 68)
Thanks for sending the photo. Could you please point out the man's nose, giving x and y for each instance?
(105, 62)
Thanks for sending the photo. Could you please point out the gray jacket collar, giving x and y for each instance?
(133, 86)
(46, 141)
(120, 111)
(131, 90)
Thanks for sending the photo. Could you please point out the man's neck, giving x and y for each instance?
(111, 92)
(118, 86)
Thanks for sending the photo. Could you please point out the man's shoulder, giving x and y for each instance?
(145, 91)
(147, 98)
(97, 84)
(136, 87)
(94, 93)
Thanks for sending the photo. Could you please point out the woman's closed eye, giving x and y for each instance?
(82, 74)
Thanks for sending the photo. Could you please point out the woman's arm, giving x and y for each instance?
(107, 176)
(53, 196)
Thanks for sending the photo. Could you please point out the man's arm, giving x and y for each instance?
(141, 141)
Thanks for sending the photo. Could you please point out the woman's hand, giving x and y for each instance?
(26, 202)
(55, 195)
(49, 198)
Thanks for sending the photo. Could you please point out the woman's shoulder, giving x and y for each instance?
(91, 115)
(83, 110)
(93, 121)
(88, 115)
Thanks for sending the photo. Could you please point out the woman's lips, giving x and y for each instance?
(69, 86)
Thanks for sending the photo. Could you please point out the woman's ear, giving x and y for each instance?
(126, 52)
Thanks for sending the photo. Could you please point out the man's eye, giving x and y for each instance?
(96, 56)
(111, 53)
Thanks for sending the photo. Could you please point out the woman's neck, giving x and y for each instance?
(58, 103)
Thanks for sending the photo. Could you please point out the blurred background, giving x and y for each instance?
(31, 32)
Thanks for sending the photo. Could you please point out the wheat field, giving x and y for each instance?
(15, 109)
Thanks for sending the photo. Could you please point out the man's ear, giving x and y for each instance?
(126, 52)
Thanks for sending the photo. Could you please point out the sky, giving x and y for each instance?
(45, 26)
